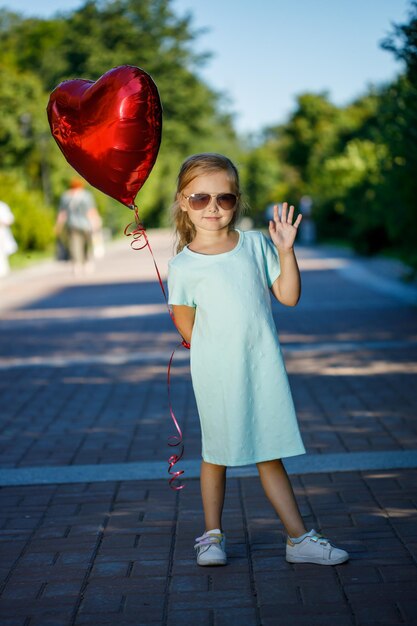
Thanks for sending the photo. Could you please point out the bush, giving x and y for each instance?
(33, 227)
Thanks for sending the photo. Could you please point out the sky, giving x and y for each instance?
(267, 52)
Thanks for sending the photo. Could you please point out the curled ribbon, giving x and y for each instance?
(137, 232)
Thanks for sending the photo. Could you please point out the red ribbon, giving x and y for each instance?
(137, 233)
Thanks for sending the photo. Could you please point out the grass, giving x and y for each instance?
(21, 260)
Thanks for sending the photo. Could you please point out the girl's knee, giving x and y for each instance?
(214, 466)
(263, 464)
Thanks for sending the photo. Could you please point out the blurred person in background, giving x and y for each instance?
(79, 218)
(8, 244)
(308, 232)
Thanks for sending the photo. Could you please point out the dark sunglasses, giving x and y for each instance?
(198, 201)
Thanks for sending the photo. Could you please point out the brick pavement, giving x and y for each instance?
(122, 552)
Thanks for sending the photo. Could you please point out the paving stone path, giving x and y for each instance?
(91, 533)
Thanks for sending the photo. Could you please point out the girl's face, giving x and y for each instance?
(212, 217)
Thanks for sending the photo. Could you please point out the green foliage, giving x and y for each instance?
(349, 187)
(21, 117)
(357, 162)
(310, 132)
(403, 43)
(264, 179)
(33, 226)
(37, 54)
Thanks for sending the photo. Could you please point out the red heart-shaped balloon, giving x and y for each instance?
(109, 130)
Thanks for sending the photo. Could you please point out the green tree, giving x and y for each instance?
(33, 225)
(311, 132)
(267, 180)
(350, 199)
(88, 42)
(399, 117)
(21, 119)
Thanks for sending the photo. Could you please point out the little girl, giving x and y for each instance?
(218, 285)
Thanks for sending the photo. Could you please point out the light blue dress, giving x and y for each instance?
(237, 369)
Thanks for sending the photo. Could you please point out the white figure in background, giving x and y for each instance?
(8, 244)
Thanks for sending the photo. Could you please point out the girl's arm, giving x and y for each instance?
(184, 319)
(287, 287)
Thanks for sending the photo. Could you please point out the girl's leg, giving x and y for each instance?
(278, 489)
(213, 486)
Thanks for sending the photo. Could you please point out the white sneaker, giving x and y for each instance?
(314, 548)
(211, 548)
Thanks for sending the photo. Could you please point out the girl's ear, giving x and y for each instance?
(181, 201)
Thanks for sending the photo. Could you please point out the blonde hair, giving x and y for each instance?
(193, 166)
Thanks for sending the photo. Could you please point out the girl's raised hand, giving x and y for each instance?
(283, 231)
